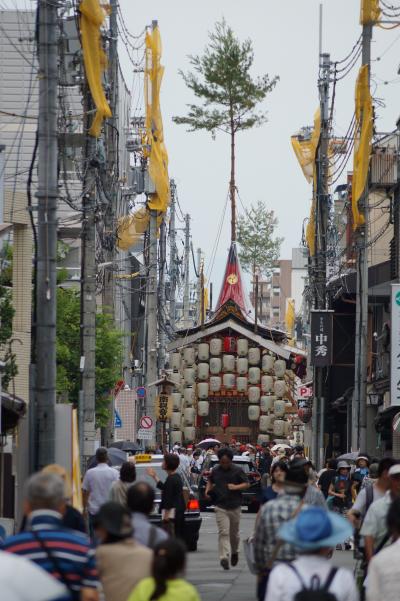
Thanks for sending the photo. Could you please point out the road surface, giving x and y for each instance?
(236, 584)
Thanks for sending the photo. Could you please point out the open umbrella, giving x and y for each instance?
(126, 445)
(276, 447)
(208, 442)
(116, 457)
(349, 456)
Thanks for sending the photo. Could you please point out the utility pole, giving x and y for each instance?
(161, 298)
(321, 229)
(186, 288)
(46, 299)
(112, 176)
(87, 395)
(151, 358)
(359, 402)
(172, 259)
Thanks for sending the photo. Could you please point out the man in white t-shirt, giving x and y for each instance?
(371, 491)
(97, 484)
(315, 532)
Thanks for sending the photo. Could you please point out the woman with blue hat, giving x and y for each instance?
(314, 532)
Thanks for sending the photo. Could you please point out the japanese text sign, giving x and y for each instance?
(321, 338)
(163, 407)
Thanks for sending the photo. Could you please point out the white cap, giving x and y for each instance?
(394, 470)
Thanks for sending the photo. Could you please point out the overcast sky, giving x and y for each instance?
(285, 38)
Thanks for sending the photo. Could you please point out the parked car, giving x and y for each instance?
(192, 514)
(251, 496)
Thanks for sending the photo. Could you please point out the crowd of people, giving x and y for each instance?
(113, 552)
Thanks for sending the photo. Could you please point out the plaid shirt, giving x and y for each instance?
(273, 515)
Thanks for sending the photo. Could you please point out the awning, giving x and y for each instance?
(12, 409)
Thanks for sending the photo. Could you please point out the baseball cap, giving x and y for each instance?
(394, 470)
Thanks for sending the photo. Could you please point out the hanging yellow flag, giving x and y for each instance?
(290, 317)
(76, 465)
(370, 12)
(154, 137)
(92, 17)
(362, 143)
(306, 153)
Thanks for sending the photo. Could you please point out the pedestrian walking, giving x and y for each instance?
(314, 532)
(119, 488)
(313, 495)
(371, 491)
(361, 471)
(166, 582)
(264, 460)
(327, 476)
(96, 486)
(278, 475)
(383, 573)
(172, 501)
(224, 488)
(64, 553)
(374, 528)
(141, 503)
(121, 561)
(267, 549)
(16, 572)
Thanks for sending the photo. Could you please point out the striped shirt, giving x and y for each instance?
(74, 561)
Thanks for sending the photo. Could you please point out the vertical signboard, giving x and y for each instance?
(395, 346)
(321, 338)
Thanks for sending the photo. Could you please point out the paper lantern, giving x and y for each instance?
(266, 423)
(229, 381)
(253, 412)
(280, 388)
(280, 368)
(189, 434)
(215, 383)
(190, 375)
(203, 352)
(203, 370)
(254, 355)
(242, 347)
(189, 415)
(175, 437)
(175, 361)
(263, 438)
(267, 403)
(215, 365)
(279, 427)
(241, 384)
(279, 408)
(176, 401)
(254, 394)
(242, 366)
(175, 420)
(254, 375)
(267, 383)
(215, 346)
(189, 355)
(305, 414)
(203, 408)
(267, 364)
(228, 363)
(229, 344)
(189, 396)
(202, 390)
(176, 377)
(224, 420)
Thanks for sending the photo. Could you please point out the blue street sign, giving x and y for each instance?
(141, 392)
(117, 420)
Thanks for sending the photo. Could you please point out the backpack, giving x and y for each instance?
(316, 591)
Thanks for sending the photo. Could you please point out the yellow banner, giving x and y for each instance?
(370, 12)
(154, 138)
(363, 142)
(92, 17)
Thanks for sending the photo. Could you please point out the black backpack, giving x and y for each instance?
(315, 592)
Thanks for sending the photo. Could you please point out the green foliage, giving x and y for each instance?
(259, 250)
(6, 255)
(222, 80)
(108, 353)
(6, 354)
